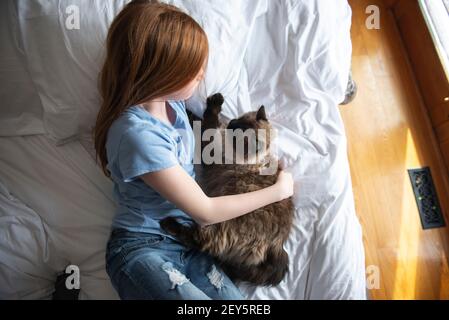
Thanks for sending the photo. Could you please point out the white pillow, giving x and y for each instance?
(20, 109)
(64, 64)
(293, 49)
(229, 25)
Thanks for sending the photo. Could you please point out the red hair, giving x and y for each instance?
(153, 50)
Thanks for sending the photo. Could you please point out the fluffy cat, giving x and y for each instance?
(250, 247)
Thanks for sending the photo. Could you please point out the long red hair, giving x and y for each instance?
(152, 51)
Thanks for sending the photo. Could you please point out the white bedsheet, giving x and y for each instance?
(296, 64)
(62, 187)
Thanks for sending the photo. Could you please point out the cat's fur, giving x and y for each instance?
(250, 247)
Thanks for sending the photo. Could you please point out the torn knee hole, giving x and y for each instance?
(215, 277)
(175, 276)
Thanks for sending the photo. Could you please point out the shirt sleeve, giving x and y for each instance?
(144, 150)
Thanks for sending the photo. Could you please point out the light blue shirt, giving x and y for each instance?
(139, 143)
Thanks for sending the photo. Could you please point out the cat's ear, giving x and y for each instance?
(261, 115)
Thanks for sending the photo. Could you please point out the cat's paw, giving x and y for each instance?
(215, 102)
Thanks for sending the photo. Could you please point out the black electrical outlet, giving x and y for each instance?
(426, 198)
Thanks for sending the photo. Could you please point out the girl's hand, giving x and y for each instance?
(284, 185)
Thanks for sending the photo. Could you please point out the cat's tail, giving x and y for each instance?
(268, 273)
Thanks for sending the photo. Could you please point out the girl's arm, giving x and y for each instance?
(175, 185)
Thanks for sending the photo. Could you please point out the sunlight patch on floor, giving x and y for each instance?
(409, 232)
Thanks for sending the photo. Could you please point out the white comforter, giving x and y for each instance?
(56, 207)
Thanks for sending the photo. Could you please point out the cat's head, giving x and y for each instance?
(251, 137)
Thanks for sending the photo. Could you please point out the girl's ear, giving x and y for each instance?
(261, 115)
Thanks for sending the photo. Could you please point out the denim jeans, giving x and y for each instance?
(152, 266)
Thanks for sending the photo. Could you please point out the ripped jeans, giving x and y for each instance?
(151, 266)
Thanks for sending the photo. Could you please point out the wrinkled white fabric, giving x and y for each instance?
(20, 109)
(64, 63)
(296, 63)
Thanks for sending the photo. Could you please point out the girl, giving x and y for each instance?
(156, 57)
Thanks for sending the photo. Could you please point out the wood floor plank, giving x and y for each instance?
(386, 137)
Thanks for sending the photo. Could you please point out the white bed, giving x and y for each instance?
(56, 207)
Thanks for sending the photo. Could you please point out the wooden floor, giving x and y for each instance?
(388, 134)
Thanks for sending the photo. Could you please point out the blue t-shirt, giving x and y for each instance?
(139, 143)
